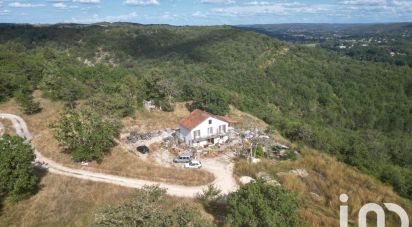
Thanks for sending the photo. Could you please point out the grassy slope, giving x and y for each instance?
(66, 201)
(328, 178)
(63, 201)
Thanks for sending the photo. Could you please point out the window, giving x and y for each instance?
(196, 134)
(222, 128)
(210, 130)
(210, 122)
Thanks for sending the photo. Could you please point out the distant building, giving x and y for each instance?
(200, 128)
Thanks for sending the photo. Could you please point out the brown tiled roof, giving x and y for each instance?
(225, 118)
(196, 117)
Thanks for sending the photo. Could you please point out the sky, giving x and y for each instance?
(205, 12)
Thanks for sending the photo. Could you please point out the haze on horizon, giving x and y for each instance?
(205, 12)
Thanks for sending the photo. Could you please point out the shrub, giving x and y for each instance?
(260, 204)
(150, 207)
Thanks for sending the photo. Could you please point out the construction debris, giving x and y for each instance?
(136, 136)
(254, 133)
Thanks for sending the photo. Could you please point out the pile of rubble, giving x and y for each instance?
(254, 133)
(134, 136)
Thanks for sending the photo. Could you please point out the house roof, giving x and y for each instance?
(198, 116)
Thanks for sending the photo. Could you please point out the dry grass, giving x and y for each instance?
(123, 163)
(145, 121)
(245, 120)
(39, 122)
(8, 127)
(63, 201)
(66, 201)
(328, 178)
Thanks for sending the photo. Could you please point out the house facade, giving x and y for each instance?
(200, 128)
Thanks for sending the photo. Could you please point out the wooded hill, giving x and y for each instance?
(360, 112)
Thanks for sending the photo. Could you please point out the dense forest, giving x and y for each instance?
(359, 111)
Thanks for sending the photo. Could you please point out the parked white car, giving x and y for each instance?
(194, 164)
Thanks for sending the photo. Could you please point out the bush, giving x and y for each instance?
(166, 106)
(260, 204)
(150, 207)
(259, 152)
(210, 197)
(290, 155)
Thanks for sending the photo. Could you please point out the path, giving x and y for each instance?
(221, 168)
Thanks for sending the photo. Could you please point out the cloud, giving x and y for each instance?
(259, 8)
(200, 14)
(255, 3)
(5, 12)
(403, 4)
(60, 5)
(141, 2)
(364, 2)
(87, 1)
(97, 18)
(218, 1)
(24, 5)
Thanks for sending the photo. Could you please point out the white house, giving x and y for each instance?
(200, 128)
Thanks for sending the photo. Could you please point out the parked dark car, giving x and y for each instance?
(143, 149)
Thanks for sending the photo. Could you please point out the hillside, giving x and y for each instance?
(357, 111)
(66, 201)
(385, 42)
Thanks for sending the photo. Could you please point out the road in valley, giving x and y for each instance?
(222, 169)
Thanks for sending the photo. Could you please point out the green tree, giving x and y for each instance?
(150, 207)
(26, 102)
(261, 204)
(17, 179)
(161, 88)
(85, 134)
(212, 100)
